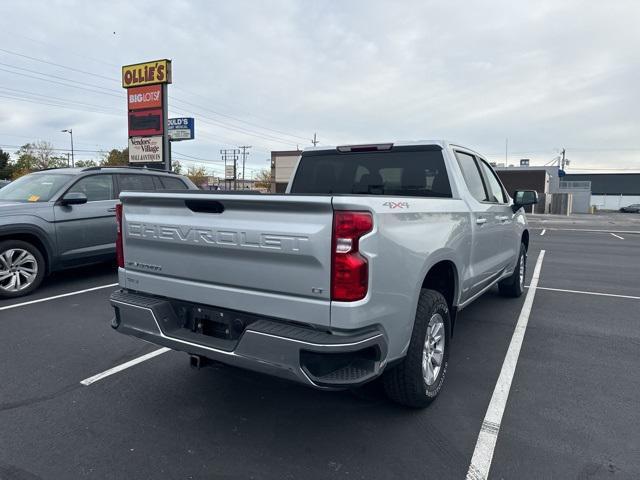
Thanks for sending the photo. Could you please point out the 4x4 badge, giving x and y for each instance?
(393, 205)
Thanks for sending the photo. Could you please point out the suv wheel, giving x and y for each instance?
(513, 286)
(418, 379)
(22, 268)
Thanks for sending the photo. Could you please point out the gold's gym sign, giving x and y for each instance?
(147, 73)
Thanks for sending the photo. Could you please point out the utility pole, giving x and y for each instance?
(70, 132)
(232, 155)
(244, 157)
(506, 152)
(563, 159)
(315, 140)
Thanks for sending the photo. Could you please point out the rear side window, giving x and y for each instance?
(472, 176)
(402, 171)
(136, 183)
(172, 183)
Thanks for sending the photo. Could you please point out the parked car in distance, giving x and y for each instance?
(633, 208)
(4, 183)
(60, 218)
(356, 273)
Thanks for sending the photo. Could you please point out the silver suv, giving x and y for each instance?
(60, 218)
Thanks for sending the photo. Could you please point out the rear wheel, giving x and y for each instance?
(418, 379)
(22, 268)
(513, 286)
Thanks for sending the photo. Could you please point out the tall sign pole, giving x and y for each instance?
(166, 146)
(147, 112)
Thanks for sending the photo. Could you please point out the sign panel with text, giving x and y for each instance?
(181, 129)
(139, 98)
(145, 149)
(148, 73)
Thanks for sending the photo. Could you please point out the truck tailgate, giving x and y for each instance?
(265, 254)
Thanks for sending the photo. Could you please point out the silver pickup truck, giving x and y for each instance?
(356, 272)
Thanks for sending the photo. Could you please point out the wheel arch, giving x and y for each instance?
(443, 276)
(31, 235)
(525, 238)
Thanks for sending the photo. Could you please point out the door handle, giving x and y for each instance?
(503, 218)
(481, 221)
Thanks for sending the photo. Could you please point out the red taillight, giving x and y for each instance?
(349, 269)
(119, 250)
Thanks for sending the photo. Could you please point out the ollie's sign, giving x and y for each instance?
(148, 73)
(139, 98)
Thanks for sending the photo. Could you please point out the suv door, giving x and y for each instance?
(87, 232)
(486, 261)
(509, 237)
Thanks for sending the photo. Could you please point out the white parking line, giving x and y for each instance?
(587, 230)
(588, 293)
(486, 443)
(46, 299)
(617, 236)
(543, 231)
(124, 366)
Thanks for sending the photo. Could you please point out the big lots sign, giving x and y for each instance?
(139, 98)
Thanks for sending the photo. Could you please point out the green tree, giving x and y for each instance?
(263, 179)
(86, 163)
(198, 175)
(36, 156)
(115, 157)
(176, 167)
(6, 169)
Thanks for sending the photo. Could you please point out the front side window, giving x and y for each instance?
(472, 176)
(496, 193)
(95, 187)
(37, 187)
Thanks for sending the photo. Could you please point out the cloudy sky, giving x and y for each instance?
(542, 74)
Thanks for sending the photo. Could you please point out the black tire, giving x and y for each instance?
(40, 262)
(514, 285)
(405, 383)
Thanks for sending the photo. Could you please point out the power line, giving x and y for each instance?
(59, 83)
(49, 97)
(61, 78)
(22, 99)
(56, 64)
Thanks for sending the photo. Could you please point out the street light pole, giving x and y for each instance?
(70, 132)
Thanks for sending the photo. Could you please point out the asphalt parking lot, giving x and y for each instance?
(573, 410)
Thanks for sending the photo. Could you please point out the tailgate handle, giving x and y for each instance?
(204, 206)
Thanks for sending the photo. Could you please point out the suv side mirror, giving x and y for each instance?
(522, 198)
(74, 198)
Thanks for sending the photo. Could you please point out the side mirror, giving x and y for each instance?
(522, 198)
(74, 198)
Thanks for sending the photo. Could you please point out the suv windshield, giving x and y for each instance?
(39, 187)
(402, 171)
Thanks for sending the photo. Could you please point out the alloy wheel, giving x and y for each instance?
(18, 269)
(433, 349)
